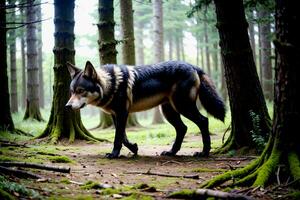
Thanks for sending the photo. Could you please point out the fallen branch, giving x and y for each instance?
(19, 173)
(37, 166)
(204, 193)
(164, 175)
(221, 194)
(11, 144)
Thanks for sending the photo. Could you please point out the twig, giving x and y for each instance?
(11, 144)
(164, 175)
(223, 138)
(19, 173)
(171, 161)
(277, 175)
(25, 24)
(220, 194)
(36, 166)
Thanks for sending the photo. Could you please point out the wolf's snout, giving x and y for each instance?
(68, 106)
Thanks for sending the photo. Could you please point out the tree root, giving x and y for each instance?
(260, 171)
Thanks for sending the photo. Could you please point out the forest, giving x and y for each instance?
(149, 99)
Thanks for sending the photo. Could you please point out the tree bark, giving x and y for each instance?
(206, 41)
(64, 123)
(13, 65)
(266, 64)
(32, 102)
(252, 35)
(245, 93)
(6, 122)
(282, 149)
(107, 46)
(128, 48)
(23, 61)
(158, 47)
(140, 59)
(40, 55)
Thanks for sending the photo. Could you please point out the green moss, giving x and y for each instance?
(7, 158)
(140, 186)
(91, 185)
(294, 164)
(109, 191)
(61, 159)
(183, 194)
(200, 170)
(65, 181)
(5, 195)
(293, 196)
(136, 196)
(79, 197)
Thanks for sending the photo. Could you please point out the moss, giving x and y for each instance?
(7, 158)
(140, 186)
(183, 194)
(91, 185)
(293, 196)
(294, 164)
(61, 159)
(80, 197)
(208, 170)
(109, 191)
(5, 195)
(136, 196)
(65, 181)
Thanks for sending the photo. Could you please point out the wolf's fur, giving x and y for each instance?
(121, 89)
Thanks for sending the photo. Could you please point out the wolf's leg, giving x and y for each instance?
(132, 147)
(191, 112)
(120, 120)
(173, 118)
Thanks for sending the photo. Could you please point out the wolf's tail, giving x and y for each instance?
(209, 97)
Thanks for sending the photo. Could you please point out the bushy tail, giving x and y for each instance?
(210, 99)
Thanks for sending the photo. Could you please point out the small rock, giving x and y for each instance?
(117, 196)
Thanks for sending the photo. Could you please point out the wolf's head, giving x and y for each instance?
(85, 87)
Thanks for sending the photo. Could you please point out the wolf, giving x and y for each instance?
(122, 89)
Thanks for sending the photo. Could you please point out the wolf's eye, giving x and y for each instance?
(79, 90)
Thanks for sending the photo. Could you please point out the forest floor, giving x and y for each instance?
(146, 176)
(127, 177)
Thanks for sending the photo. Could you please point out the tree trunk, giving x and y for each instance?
(266, 64)
(206, 45)
(252, 35)
(170, 40)
(107, 46)
(282, 150)
(6, 123)
(128, 48)
(182, 46)
(158, 46)
(140, 59)
(40, 56)
(32, 102)
(23, 61)
(177, 46)
(64, 123)
(13, 65)
(245, 93)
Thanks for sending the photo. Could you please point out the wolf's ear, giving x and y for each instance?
(89, 70)
(72, 69)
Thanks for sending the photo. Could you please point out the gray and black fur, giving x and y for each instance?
(121, 89)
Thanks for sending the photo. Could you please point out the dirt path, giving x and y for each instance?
(90, 165)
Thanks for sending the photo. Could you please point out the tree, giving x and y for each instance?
(128, 48)
(13, 64)
(6, 122)
(282, 149)
(107, 45)
(23, 60)
(40, 55)
(32, 102)
(64, 123)
(158, 44)
(245, 93)
(265, 46)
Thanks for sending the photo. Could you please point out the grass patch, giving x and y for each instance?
(201, 170)
(60, 159)
(138, 196)
(183, 194)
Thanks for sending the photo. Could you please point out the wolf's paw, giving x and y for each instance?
(111, 155)
(201, 154)
(134, 149)
(167, 153)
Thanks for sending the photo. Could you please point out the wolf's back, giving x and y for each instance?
(209, 97)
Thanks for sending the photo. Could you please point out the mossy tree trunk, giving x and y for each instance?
(64, 123)
(6, 122)
(40, 55)
(107, 45)
(128, 48)
(23, 61)
(158, 47)
(244, 90)
(32, 101)
(282, 149)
